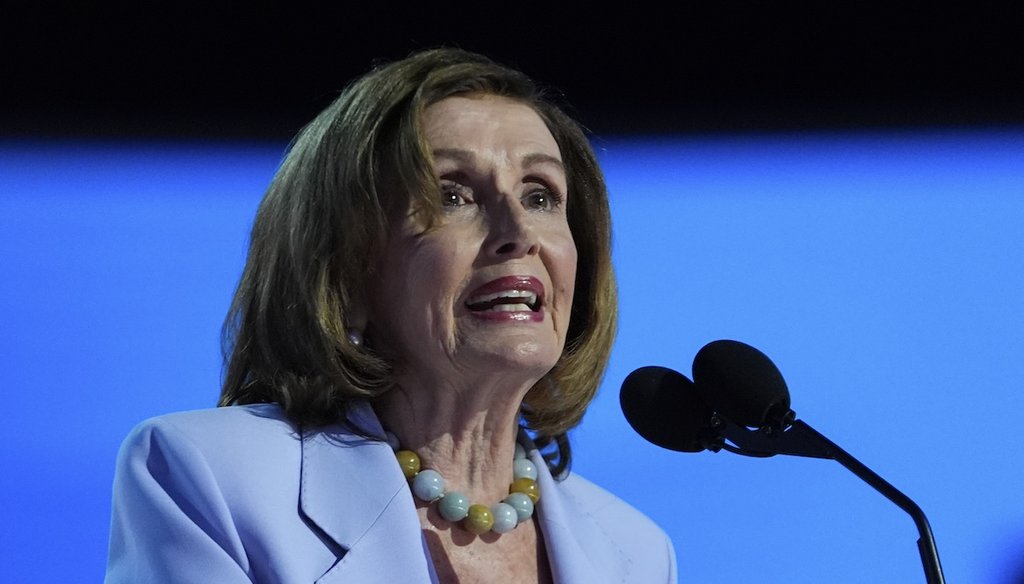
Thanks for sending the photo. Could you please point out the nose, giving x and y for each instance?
(512, 234)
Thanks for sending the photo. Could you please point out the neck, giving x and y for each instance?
(466, 434)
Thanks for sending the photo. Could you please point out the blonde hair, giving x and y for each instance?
(329, 207)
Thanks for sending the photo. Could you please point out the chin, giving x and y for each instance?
(532, 357)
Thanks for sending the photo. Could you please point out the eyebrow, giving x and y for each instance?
(541, 158)
(468, 156)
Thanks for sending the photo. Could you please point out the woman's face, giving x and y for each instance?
(489, 287)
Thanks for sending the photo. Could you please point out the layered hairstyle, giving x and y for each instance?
(327, 212)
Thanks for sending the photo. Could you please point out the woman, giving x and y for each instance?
(429, 282)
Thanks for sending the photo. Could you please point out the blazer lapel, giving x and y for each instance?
(352, 491)
(579, 550)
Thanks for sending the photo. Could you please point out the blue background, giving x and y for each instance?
(883, 272)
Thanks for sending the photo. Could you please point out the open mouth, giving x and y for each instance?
(505, 301)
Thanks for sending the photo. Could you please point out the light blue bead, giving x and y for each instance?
(428, 485)
(520, 452)
(524, 467)
(505, 517)
(523, 505)
(454, 506)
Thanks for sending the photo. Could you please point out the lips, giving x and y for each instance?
(508, 294)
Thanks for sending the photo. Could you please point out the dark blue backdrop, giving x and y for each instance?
(882, 272)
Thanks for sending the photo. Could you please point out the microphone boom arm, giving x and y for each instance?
(800, 439)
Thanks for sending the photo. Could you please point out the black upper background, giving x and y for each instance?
(233, 70)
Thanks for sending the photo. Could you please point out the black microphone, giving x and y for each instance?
(739, 395)
(663, 406)
(742, 384)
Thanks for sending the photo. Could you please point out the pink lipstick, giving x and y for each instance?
(509, 298)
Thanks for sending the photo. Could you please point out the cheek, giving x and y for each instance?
(563, 270)
(394, 297)
(424, 279)
(441, 269)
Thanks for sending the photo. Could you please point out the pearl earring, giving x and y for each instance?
(354, 336)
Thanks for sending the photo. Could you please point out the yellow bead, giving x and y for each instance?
(409, 461)
(527, 487)
(480, 520)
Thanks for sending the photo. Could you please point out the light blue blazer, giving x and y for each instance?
(238, 495)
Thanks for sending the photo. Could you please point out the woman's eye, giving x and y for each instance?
(450, 199)
(544, 199)
(453, 195)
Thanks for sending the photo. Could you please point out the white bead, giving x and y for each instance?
(524, 467)
(454, 506)
(520, 452)
(523, 505)
(505, 517)
(428, 485)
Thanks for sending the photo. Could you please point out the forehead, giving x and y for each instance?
(487, 123)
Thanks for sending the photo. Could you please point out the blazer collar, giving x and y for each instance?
(579, 549)
(357, 498)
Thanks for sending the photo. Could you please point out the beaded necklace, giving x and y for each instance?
(428, 485)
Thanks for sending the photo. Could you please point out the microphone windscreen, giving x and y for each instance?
(740, 383)
(663, 407)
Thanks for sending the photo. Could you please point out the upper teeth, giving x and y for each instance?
(529, 297)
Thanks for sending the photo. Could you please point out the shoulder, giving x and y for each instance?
(196, 492)
(218, 424)
(239, 428)
(223, 443)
